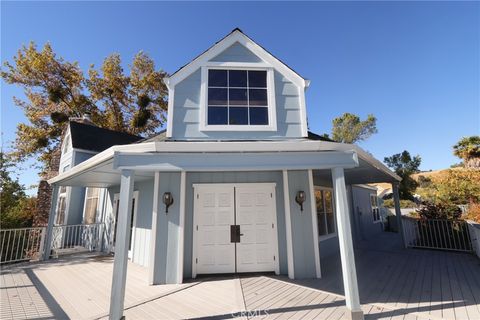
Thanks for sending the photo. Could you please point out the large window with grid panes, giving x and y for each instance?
(325, 212)
(239, 99)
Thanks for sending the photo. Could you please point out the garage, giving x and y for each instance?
(235, 228)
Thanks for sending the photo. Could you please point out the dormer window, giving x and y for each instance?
(239, 99)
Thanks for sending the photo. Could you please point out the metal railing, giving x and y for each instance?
(25, 244)
(436, 234)
(77, 237)
(21, 244)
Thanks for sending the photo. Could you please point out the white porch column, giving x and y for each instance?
(398, 212)
(153, 235)
(119, 278)
(346, 245)
(288, 226)
(181, 226)
(51, 219)
(313, 208)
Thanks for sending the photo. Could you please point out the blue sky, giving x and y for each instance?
(414, 65)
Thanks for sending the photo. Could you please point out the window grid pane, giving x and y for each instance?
(231, 89)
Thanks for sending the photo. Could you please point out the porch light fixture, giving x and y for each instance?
(167, 200)
(300, 199)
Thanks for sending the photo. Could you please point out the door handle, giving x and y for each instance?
(235, 233)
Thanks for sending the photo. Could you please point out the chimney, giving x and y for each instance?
(84, 119)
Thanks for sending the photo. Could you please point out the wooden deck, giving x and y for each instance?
(394, 283)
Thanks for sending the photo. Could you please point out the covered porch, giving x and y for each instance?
(169, 165)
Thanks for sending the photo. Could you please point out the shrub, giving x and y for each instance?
(458, 186)
(389, 203)
(473, 212)
(430, 210)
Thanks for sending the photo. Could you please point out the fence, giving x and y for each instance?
(21, 244)
(436, 234)
(474, 230)
(25, 244)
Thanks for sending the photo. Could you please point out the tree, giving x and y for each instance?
(454, 186)
(404, 166)
(468, 149)
(56, 90)
(350, 129)
(16, 208)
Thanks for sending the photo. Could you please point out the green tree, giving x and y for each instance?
(454, 186)
(16, 208)
(350, 129)
(468, 149)
(56, 89)
(404, 166)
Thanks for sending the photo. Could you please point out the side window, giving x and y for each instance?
(91, 205)
(325, 212)
(61, 205)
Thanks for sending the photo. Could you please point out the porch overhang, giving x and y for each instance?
(103, 169)
(260, 161)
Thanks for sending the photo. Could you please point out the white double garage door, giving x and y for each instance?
(235, 228)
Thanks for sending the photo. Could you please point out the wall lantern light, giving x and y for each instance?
(167, 200)
(300, 199)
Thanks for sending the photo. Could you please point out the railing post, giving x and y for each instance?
(51, 219)
(42, 243)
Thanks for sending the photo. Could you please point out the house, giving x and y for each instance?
(236, 183)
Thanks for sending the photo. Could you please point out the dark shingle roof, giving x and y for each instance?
(314, 136)
(90, 137)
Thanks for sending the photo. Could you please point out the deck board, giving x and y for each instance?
(394, 284)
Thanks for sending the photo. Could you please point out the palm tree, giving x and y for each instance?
(468, 149)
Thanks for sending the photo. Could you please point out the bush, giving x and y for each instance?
(389, 203)
(458, 186)
(430, 210)
(473, 212)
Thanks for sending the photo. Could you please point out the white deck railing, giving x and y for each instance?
(71, 238)
(24, 244)
(474, 229)
(21, 244)
(436, 234)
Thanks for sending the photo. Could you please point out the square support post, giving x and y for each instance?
(117, 296)
(346, 246)
(398, 212)
(47, 247)
(153, 235)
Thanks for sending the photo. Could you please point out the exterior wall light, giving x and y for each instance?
(300, 199)
(167, 200)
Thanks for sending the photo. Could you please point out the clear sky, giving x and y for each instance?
(414, 65)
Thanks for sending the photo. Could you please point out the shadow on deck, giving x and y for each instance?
(394, 283)
(428, 283)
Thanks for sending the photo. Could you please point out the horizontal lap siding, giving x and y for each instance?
(233, 177)
(361, 202)
(236, 52)
(186, 110)
(302, 231)
(143, 223)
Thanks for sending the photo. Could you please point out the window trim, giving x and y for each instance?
(333, 234)
(379, 220)
(272, 114)
(97, 209)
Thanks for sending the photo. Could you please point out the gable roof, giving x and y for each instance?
(90, 137)
(236, 35)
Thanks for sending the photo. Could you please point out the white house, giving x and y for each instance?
(235, 184)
